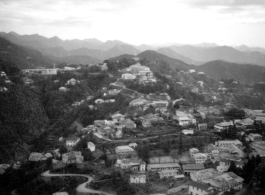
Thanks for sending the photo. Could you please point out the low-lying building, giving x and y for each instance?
(254, 137)
(228, 142)
(72, 157)
(124, 151)
(200, 158)
(222, 126)
(170, 174)
(35, 156)
(72, 141)
(133, 164)
(165, 166)
(196, 188)
(190, 168)
(138, 178)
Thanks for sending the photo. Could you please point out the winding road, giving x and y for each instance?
(81, 189)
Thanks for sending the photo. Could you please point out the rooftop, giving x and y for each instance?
(193, 166)
(200, 186)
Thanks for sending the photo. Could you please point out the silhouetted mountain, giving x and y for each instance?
(95, 53)
(247, 49)
(204, 44)
(145, 47)
(103, 55)
(58, 52)
(220, 53)
(172, 54)
(244, 73)
(109, 44)
(121, 49)
(79, 59)
(22, 57)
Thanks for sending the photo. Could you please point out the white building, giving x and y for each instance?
(127, 76)
(196, 188)
(193, 151)
(188, 131)
(223, 166)
(228, 142)
(124, 151)
(139, 178)
(91, 146)
(72, 141)
(35, 156)
(222, 126)
(200, 158)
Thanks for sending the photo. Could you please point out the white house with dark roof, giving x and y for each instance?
(222, 126)
(196, 188)
(200, 158)
(190, 168)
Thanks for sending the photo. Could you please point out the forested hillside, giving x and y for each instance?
(22, 57)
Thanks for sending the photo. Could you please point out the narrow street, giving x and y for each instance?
(81, 189)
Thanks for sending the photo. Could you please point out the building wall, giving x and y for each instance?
(196, 191)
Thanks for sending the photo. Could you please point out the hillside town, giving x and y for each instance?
(158, 144)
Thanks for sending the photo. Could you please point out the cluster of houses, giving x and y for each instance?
(142, 73)
(4, 78)
(204, 180)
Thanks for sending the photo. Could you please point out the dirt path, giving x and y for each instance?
(81, 189)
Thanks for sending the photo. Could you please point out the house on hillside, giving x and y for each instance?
(187, 131)
(128, 123)
(124, 151)
(35, 156)
(254, 137)
(131, 164)
(169, 173)
(200, 158)
(72, 141)
(149, 118)
(91, 146)
(99, 101)
(193, 151)
(138, 178)
(63, 89)
(190, 168)
(222, 126)
(128, 76)
(72, 157)
(228, 142)
(72, 81)
(114, 92)
(196, 188)
(138, 102)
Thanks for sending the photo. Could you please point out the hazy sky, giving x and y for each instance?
(226, 22)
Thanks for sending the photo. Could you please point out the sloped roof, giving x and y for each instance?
(193, 166)
(200, 186)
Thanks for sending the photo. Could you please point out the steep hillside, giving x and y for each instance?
(155, 59)
(172, 54)
(220, 53)
(103, 55)
(22, 57)
(79, 59)
(243, 73)
(22, 117)
(121, 49)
